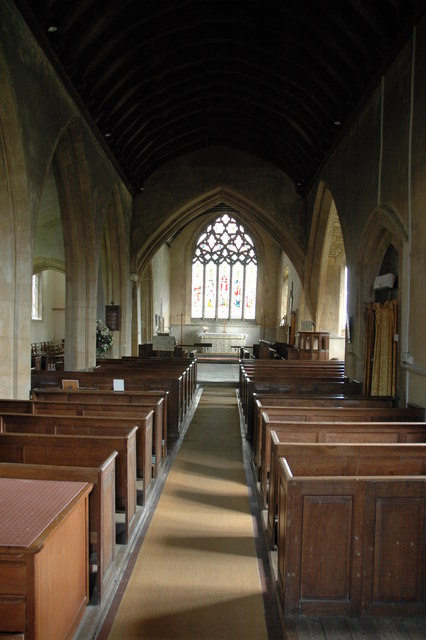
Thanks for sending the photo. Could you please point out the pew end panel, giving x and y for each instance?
(351, 545)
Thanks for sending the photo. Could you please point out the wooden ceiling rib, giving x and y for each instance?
(270, 77)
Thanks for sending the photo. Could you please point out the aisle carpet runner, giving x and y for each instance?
(196, 576)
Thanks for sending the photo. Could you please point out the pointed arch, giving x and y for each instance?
(326, 271)
(383, 228)
(198, 206)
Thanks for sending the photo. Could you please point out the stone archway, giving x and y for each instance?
(326, 272)
(384, 229)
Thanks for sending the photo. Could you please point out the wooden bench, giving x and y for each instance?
(175, 382)
(392, 433)
(43, 558)
(277, 416)
(291, 377)
(170, 389)
(102, 556)
(69, 423)
(188, 366)
(351, 538)
(294, 386)
(156, 400)
(268, 402)
(85, 451)
(108, 401)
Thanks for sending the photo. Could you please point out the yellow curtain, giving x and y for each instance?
(383, 375)
(369, 349)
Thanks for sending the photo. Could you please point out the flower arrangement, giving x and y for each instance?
(104, 338)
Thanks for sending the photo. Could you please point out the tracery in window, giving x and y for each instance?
(224, 272)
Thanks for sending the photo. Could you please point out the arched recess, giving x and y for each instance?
(199, 205)
(326, 272)
(114, 271)
(16, 215)
(383, 228)
(77, 210)
(384, 235)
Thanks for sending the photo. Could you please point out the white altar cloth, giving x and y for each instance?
(223, 342)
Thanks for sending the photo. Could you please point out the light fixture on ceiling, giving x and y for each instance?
(108, 134)
(52, 28)
(338, 123)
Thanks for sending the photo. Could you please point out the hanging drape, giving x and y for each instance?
(380, 354)
(369, 349)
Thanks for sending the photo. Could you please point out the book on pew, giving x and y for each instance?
(70, 384)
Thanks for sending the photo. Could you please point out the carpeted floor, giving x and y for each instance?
(196, 576)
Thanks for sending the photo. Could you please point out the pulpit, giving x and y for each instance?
(313, 345)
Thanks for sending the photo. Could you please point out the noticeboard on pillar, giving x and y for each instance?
(112, 316)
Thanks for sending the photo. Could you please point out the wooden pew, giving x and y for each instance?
(276, 416)
(69, 423)
(82, 450)
(294, 386)
(356, 434)
(269, 402)
(289, 375)
(108, 401)
(153, 378)
(43, 559)
(188, 366)
(102, 557)
(170, 389)
(351, 535)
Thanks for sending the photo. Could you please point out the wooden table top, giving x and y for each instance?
(29, 507)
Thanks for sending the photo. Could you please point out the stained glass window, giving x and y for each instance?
(224, 272)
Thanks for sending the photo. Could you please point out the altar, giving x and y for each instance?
(223, 342)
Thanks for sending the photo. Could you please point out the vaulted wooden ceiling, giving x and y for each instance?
(276, 78)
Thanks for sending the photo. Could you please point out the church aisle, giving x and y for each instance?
(197, 573)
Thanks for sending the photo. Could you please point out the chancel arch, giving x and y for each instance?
(186, 188)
